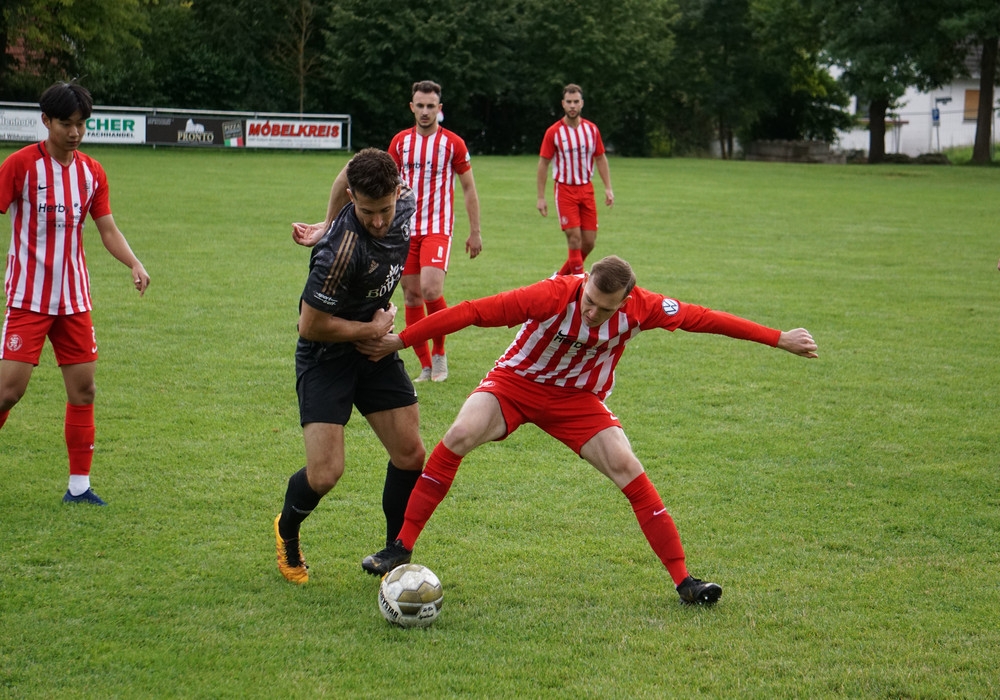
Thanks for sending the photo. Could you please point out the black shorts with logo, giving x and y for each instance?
(329, 390)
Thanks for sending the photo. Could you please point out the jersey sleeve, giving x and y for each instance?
(12, 174)
(658, 311)
(548, 149)
(461, 161)
(511, 308)
(100, 205)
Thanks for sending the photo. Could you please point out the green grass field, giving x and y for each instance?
(849, 505)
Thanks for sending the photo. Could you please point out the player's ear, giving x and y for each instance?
(350, 195)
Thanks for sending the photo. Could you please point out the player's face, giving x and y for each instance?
(596, 306)
(375, 214)
(65, 134)
(572, 104)
(425, 108)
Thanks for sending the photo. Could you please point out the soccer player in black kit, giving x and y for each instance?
(353, 272)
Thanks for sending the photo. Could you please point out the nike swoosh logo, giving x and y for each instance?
(42, 187)
(659, 512)
(93, 350)
(437, 260)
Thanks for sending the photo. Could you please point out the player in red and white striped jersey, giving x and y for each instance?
(429, 158)
(556, 374)
(573, 146)
(50, 188)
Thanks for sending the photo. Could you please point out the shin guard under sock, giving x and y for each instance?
(657, 525)
(414, 314)
(300, 501)
(431, 488)
(79, 433)
(395, 495)
(439, 304)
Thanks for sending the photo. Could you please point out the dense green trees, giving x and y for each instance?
(660, 76)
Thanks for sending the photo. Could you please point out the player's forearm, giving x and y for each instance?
(702, 320)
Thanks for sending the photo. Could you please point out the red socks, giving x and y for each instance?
(80, 438)
(573, 264)
(431, 488)
(657, 525)
(3, 417)
(433, 307)
(414, 314)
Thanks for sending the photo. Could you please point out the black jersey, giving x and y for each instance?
(352, 275)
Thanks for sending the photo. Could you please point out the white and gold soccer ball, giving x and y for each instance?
(410, 596)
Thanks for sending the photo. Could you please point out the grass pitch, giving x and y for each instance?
(848, 505)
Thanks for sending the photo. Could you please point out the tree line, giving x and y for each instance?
(660, 77)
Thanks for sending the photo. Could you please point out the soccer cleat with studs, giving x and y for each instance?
(439, 368)
(291, 563)
(694, 591)
(381, 563)
(424, 376)
(87, 496)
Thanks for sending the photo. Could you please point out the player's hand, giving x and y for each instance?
(798, 341)
(543, 206)
(382, 321)
(609, 197)
(308, 234)
(140, 278)
(377, 348)
(474, 245)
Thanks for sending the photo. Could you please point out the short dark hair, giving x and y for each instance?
(572, 87)
(372, 173)
(426, 86)
(61, 100)
(612, 275)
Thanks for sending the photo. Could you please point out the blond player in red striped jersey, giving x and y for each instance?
(573, 147)
(49, 188)
(557, 373)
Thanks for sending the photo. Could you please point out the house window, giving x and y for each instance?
(971, 105)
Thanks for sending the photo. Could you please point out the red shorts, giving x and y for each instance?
(571, 416)
(72, 337)
(432, 250)
(576, 206)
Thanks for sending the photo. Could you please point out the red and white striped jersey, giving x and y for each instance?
(429, 164)
(554, 346)
(572, 151)
(49, 202)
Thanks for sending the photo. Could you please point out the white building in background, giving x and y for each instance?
(912, 129)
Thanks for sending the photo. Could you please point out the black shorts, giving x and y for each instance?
(328, 391)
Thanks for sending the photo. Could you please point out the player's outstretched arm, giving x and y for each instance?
(798, 341)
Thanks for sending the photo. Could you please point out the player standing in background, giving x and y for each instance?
(429, 157)
(573, 146)
(556, 374)
(353, 272)
(50, 187)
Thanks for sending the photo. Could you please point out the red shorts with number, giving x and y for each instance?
(73, 338)
(576, 206)
(571, 416)
(432, 250)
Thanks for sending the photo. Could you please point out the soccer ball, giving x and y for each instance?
(410, 596)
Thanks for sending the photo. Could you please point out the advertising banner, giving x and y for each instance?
(116, 127)
(294, 133)
(102, 127)
(194, 131)
(21, 125)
